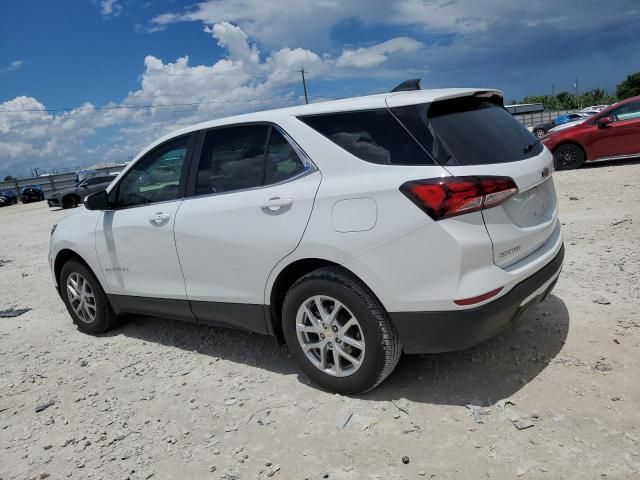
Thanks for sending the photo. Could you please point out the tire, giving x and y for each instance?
(539, 132)
(373, 330)
(568, 157)
(104, 317)
(70, 201)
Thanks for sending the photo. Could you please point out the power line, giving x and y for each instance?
(162, 105)
(221, 74)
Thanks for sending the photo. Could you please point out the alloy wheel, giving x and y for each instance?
(567, 157)
(81, 297)
(330, 336)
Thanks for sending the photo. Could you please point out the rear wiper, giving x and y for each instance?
(532, 145)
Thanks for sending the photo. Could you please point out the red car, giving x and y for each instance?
(614, 133)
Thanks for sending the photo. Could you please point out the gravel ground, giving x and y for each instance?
(555, 397)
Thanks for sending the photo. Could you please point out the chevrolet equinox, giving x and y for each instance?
(353, 230)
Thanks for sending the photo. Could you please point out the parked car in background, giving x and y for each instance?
(72, 197)
(612, 134)
(31, 193)
(542, 129)
(263, 222)
(592, 110)
(10, 197)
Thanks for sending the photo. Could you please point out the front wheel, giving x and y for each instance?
(71, 201)
(568, 157)
(339, 332)
(539, 132)
(85, 300)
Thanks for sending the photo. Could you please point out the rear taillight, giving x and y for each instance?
(450, 196)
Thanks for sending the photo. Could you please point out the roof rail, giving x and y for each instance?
(408, 85)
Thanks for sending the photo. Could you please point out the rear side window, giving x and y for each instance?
(372, 135)
(469, 131)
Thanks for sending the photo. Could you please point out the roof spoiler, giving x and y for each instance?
(408, 85)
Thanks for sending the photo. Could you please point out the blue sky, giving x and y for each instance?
(233, 56)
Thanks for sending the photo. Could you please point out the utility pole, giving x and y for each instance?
(553, 90)
(304, 85)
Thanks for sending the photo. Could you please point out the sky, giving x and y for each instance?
(90, 81)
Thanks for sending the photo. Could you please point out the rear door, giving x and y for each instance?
(622, 135)
(474, 135)
(251, 199)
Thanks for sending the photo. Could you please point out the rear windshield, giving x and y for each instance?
(371, 135)
(468, 131)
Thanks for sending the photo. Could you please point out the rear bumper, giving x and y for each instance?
(445, 331)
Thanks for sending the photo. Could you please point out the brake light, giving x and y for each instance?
(450, 196)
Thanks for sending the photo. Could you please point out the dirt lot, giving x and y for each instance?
(159, 399)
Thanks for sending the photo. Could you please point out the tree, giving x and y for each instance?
(9, 178)
(629, 87)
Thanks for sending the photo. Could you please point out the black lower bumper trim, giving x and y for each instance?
(446, 331)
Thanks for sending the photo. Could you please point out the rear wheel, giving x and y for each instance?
(568, 157)
(338, 332)
(85, 300)
(539, 132)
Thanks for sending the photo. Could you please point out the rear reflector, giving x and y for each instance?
(478, 299)
(451, 196)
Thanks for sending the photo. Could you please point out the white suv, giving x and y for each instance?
(422, 221)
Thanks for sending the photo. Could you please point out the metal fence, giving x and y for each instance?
(536, 118)
(51, 183)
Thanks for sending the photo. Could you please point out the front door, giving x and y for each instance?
(135, 242)
(622, 136)
(252, 201)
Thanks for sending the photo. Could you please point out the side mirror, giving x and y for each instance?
(603, 121)
(97, 201)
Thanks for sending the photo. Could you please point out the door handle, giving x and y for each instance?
(159, 219)
(276, 205)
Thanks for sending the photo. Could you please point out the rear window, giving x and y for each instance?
(468, 131)
(372, 135)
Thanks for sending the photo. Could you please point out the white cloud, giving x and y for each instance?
(12, 66)
(235, 41)
(110, 8)
(309, 23)
(376, 55)
(243, 80)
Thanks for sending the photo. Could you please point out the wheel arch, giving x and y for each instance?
(62, 257)
(283, 281)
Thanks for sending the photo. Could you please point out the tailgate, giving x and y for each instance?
(523, 223)
(473, 135)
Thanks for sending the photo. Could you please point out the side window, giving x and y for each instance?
(232, 159)
(282, 160)
(629, 111)
(374, 136)
(156, 178)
